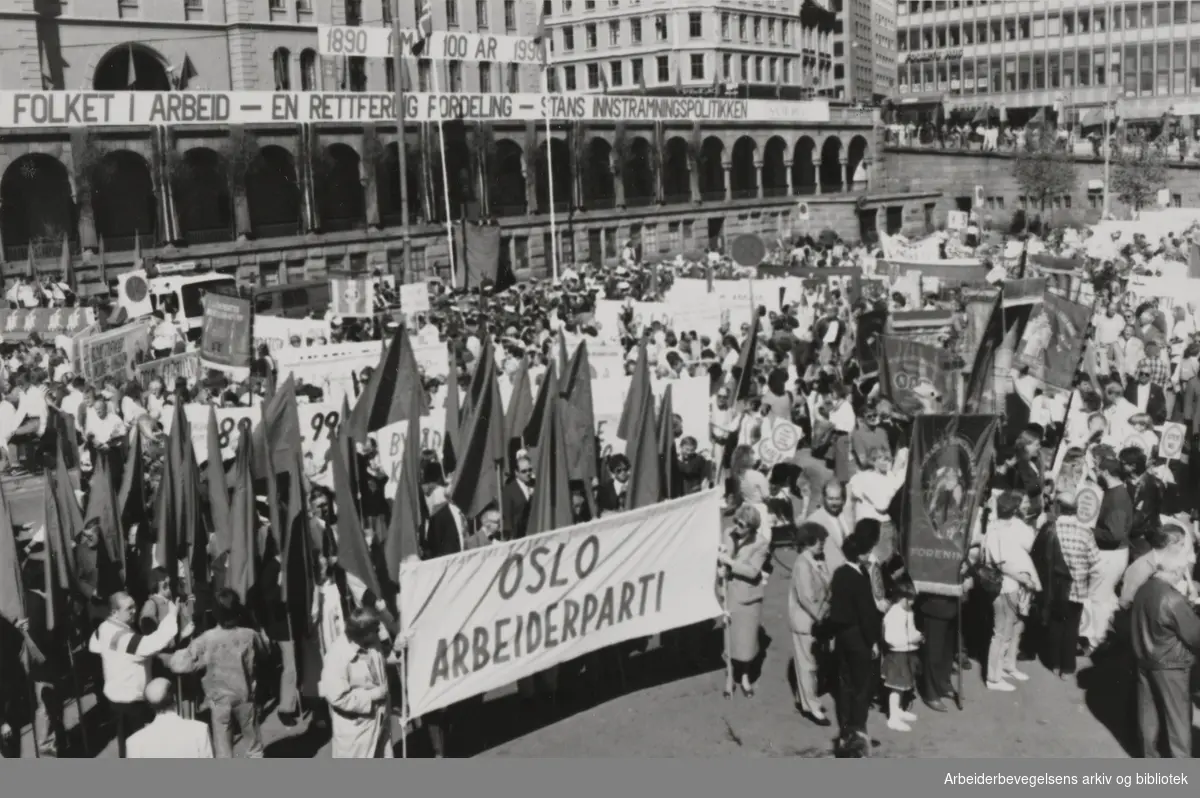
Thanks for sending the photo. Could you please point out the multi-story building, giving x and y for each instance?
(744, 48)
(853, 42)
(287, 201)
(883, 44)
(1045, 53)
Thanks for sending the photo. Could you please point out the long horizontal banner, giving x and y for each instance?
(485, 618)
(36, 109)
(378, 42)
(20, 324)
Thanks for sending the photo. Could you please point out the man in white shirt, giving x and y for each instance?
(169, 736)
(103, 426)
(74, 399)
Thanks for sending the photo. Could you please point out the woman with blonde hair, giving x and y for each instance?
(742, 560)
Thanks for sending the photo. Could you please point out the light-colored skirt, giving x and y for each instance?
(744, 621)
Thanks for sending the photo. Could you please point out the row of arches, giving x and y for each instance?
(38, 204)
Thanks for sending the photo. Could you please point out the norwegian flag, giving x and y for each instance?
(424, 28)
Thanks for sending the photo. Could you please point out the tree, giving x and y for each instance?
(1043, 170)
(1138, 175)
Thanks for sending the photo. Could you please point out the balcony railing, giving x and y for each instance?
(713, 196)
(342, 225)
(775, 191)
(277, 230)
(129, 243)
(42, 250)
(213, 235)
(744, 193)
(639, 202)
(601, 203)
(678, 199)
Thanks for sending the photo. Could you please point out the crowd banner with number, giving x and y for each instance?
(17, 325)
(113, 353)
(354, 41)
(352, 295)
(336, 369)
(232, 423)
(689, 400)
(225, 335)
(169, 369)
(277, 331)
(949, 460)
(45, 109)
(485, 618)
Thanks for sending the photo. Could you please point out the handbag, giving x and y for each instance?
(989, 577)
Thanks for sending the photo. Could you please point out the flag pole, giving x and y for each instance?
(446, 182)
(398, 72)
(87, 748)
(27, 661)
(550, 172)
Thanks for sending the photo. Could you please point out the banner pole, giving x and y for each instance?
(398, 74)
(958, 648)
(403, 699)
(446, 184)
(27, 661)
(554, 255)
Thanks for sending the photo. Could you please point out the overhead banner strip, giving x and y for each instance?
(367, 42)
(47, 109)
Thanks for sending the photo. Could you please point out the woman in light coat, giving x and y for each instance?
(808, 606)
(354, 683)
(742, 559)
(1007, 547)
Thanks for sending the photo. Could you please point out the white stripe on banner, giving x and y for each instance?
(485, 618)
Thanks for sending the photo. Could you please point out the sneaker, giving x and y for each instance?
(896, 724)
(1018, 675)
(1002, 687)
(908, 717)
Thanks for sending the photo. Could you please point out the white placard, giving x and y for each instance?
(414, 298)
(33, 109)
(377, 42)
(277, 331)
(433, 357)
(319, 425)
(232, 423)
(337, 369)
(689, 398)
(482, 619)
(391, 439)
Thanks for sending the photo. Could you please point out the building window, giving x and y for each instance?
(725, 25)
(660, 27)
(727, 67)
(593, 73)
(773, 69)
(510, 15)
(454, 72)
(304, 6)
(697, 66)
(423, 74)
(771, 31)
(551, 80)
(614, 33)
(745, 73)
(568, 39)
(758, 69)
(758, 29)
(635, 30)
(616, 70)
(452, 12)
(695, 24)
(589, 32)
(664, 69)
(283, 64)
(356, 70)
(481, 13)
(390, 74)
(485, 77)
(784, 32)
(637, 72)
(308, 70)
(281, 5)
(742, 27)
(353, 11)
(569, 78)
(514, 78)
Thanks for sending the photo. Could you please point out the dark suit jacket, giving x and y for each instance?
(607, 499)
(516, 511)
(442, 537)
(1156, 405)
(853, 616)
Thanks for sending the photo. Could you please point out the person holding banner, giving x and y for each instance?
(354, 683)
(743, 560)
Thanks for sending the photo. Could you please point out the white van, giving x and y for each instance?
(175, 290)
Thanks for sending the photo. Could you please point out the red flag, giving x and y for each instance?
(579, 422)
(245, 559)
(747, 358)
(639, 387)
(102, 508)
(61, 577)
(476, 484)
(385, 398)
(279, 429)
(520, 406)
(218, 490)
(563, 359)
(671, 479)
(548, 389)
(298, 578)
(353, 554)
(12, 589)
(452, 424)
(552, 500)
(645, 479)
(181, 533)
(409, 510)
(132, 508)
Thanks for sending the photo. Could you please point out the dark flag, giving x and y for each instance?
(1010, 314)
(409, 511)
(639, 386)
(949, 460)
(917, 377)
(552, 500)
(672, 480)
(245, 552)
(1052, 342)
(645, 478)
(385, 399)
(451, 425)
(579, 422)
(871, 326)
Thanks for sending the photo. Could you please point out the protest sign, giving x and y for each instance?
(169, 369)
(483, 619)
(433, 357)
(392, 437)
(232, 423)
(113, 353)
(1170, 446)
(225, 335)
(319, 424)
(414, 297)
(352, 296)
(277, 331)
(337, 369)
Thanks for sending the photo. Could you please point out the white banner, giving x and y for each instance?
(377, 42)
(391, 443)
(319, 424)
(337, 369)
(689, 399)
(32, 109)
(483, 619)
(232, 423)
(276, 331)
(432, 356)
(414, 298)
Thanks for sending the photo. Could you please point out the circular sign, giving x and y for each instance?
(748, 250)
(136, 288)
(785, 437)
(1171, 445)
(1087, 504)
(768, 453)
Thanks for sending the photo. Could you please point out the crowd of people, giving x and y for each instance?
(1048, 575)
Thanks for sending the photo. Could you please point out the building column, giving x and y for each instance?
(866, 164)
(241, 203)
(758, 171)
(368, 171)
(727, 168)
(848, 182)
(531, 199)
(694, 180)
(81, 193)
(817, 174)
(618, 172)
(787, 172)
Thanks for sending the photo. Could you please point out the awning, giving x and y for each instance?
(1092, 118)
